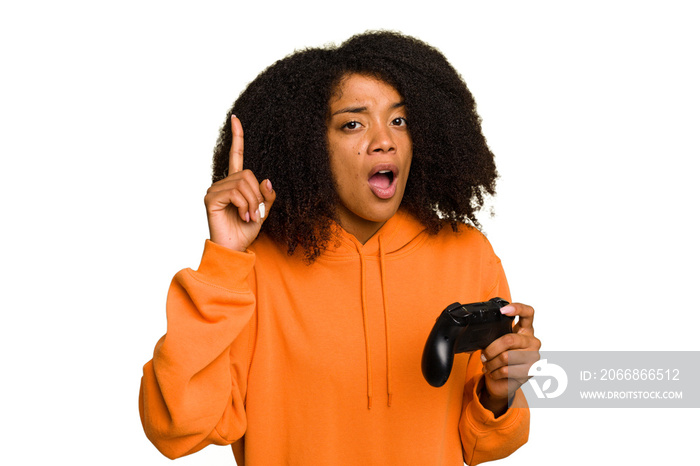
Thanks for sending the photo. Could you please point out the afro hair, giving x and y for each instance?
(285, 111)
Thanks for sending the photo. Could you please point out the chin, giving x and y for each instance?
(383, 213)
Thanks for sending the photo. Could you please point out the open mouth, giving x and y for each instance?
(382, 180)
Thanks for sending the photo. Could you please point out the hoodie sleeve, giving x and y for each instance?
(485, 437)
(193, 390)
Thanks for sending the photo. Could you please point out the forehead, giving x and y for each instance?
(361, 88)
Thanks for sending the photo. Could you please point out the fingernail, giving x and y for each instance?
(507, 309)
(269, 185)
(261, 209)
(247, 217)
(483, 358)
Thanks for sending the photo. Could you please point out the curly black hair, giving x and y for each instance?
(285, 110)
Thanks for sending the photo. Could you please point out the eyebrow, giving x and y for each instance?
(364, 109)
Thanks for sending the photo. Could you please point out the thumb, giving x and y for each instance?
(269, 197)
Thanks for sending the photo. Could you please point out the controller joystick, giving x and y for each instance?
(462, 328)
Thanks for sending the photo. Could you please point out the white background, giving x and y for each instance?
(109, 113)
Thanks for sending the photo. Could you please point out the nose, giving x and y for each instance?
(381, 140)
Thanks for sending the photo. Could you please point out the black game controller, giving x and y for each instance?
(462, 328)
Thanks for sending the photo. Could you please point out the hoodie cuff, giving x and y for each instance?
(223, 267)
(484, 419)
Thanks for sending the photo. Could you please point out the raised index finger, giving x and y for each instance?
(235, 155)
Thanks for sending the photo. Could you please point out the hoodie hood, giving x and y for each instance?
(399, 232)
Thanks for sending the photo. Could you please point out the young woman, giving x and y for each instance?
(335, 242)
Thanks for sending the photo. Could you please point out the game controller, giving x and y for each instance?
(462, 328)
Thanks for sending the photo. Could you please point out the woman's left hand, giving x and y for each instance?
(508, 359)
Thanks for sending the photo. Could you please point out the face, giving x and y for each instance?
(370, 152)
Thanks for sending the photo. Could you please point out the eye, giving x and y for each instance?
(399, 121)
(351, 125)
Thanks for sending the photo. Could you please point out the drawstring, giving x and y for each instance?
(366, 329)
(363, 267)
(386, 323)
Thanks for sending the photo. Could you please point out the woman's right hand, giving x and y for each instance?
(238, 204)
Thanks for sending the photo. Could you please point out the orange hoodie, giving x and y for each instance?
(320, 364)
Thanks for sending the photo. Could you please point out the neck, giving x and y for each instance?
(363, 234)
(361, 228)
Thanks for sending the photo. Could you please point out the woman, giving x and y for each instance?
(299, 338)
